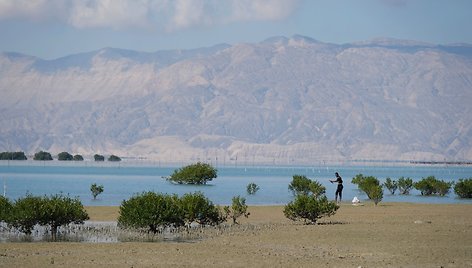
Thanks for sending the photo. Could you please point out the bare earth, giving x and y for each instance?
(389, 235)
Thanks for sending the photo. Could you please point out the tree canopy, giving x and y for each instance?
(41, 155)
(198, 173)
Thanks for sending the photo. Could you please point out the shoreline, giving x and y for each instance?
(386, 235)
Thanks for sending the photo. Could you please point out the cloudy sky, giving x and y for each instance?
(55, 28)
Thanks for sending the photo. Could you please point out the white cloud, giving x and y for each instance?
(164, 14)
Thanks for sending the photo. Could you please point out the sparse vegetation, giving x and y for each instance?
(252, 188)
(96, 190)
(309, 208)
(238, 208)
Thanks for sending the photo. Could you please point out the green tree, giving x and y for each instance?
(252, 188)
(59, 210)
(25, 213)
(390, 185)
(5, 209)
(199, 173)
(405, 185)
(238, 208)
(432, 186)
(309, 208)
(78, 157)
(197, 208)
(96, 190)
(98, 158)
(300, 184)
(65, 156)
(463, 188)
(370, 186)
(13, 156)
(114, 158)
(43, 156)
(151, 211)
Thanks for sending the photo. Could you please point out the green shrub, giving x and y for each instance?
(59, 210)
(300, 184)
(370, 186)
(151, 211)
(65, 156)
(53, 211)
(78, 157)
(44, 156)
(252, 188)
(13, 156)
(463, 188)
(114, 158)
(5, 209)
(199, 173)
(309, 208)
(197, 208)
(99, 158)
(96, 190)
(432, 186)
(238, 208)
(405, 185)
(390, 185)
(25, 213)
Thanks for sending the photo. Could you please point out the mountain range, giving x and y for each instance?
(284, 100)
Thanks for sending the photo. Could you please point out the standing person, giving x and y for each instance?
(339, 190)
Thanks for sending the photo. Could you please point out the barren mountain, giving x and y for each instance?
(283, 100)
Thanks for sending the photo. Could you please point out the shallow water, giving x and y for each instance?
(123, 180)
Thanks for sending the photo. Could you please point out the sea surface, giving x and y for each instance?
(123, 180)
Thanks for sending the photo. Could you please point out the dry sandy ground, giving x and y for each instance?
(389, 235)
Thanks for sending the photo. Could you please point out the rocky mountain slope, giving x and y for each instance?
(283, 100)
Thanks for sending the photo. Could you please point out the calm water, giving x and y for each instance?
(122, 180)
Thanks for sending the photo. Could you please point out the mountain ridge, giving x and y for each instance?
(283, 99)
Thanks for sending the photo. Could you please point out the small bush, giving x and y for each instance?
(309, 208)
(96, 190)
(252, 188)
(390, 185)
(405, 185)
(238, 208)
(65, 156)
(432, 186)
(199, 173)
(114, 158)
(99, 158)
(151, 211)
(463, 188)
(370, 186)
(197, 208)
(78, 157)
(44, 156)
(13, 156)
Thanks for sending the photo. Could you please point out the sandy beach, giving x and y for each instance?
(387, 235)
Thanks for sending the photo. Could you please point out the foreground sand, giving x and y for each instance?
(389, 235)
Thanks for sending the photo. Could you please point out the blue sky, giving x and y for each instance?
(55, 28)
